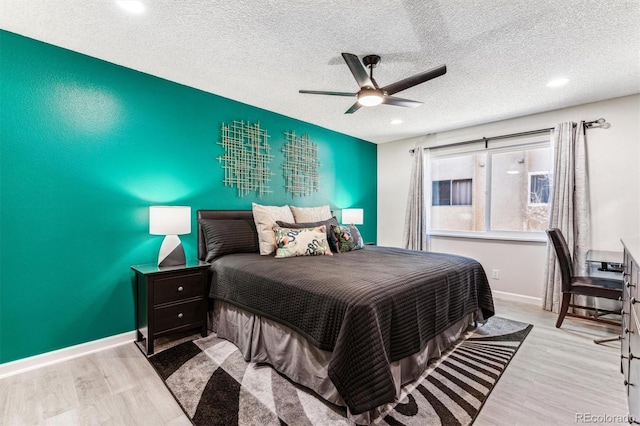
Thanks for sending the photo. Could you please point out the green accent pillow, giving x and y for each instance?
(347, 237)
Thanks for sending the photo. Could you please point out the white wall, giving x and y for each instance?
(614, 173)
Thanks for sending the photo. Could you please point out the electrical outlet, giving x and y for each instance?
(495, 274)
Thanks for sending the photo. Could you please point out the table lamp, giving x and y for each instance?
(352, 216)
(170, 221)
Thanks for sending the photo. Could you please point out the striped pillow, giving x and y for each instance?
(228, 236)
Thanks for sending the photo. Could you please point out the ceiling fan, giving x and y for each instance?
(370, 94)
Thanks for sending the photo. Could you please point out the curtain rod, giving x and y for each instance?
(587, 125)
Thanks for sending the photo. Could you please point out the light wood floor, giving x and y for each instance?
(555, 376)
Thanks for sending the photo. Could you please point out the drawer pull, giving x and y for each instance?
(627, 331)
(633, 300)
(180, 288)
(626, 383)
(180, 315)
(629, 285)
(630, 357)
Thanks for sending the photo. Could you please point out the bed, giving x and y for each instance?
(353, 327)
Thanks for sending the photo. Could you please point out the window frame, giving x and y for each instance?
(488, 234)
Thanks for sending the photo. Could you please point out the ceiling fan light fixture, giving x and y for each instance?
(370, 94)
(370, 97)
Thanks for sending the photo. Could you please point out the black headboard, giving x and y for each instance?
(218, 215)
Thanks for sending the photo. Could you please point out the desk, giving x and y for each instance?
(610, 261)
(606, 264)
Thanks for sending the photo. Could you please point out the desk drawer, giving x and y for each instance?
(178, 315)
(633, 380)
(178, 287)
(624, 345)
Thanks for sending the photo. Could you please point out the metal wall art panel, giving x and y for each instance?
(300, 165)
(246, 158)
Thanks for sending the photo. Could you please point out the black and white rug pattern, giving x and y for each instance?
(215, 385)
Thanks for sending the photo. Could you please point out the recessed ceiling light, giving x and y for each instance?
(558, 82)
(132, 6)
(396, 121)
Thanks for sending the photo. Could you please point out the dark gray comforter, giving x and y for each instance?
(369, 307)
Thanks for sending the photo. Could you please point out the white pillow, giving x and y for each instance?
(311, 214)
(265, 218)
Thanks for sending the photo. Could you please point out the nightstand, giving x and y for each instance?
(170, 299)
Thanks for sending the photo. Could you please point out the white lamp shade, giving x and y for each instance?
(353, 216)
(169, 220)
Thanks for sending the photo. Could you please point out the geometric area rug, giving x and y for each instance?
(214, 385)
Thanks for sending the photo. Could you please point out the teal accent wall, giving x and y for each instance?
(86, 147)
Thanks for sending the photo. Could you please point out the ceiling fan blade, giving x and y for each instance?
(321, 92)
(353, 108)
(391, 100)
(401, 85)
(357, 69)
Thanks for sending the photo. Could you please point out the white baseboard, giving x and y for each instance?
(512, 297)
(14, 367)
(53, 357)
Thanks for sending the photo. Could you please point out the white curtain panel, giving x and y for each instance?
(569, 208)
(416, 223)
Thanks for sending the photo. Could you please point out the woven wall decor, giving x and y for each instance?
(300, 165)
(246, 158)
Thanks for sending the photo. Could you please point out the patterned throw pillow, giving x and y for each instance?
(348, 238)
(333, 245)
(302, 242)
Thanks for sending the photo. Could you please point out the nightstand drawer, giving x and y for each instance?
(178, 287)
(178, 315)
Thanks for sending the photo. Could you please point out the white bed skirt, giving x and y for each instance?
(262, 340)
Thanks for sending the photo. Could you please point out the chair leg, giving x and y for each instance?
(566, 298)
(607, 339)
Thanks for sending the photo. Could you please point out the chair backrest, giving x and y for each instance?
(564, 256)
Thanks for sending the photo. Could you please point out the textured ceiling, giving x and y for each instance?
(499, 53)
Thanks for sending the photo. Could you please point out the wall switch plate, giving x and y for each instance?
(495, 274)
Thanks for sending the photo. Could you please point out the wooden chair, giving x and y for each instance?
(587, 286)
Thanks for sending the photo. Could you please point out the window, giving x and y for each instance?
(458, 192)
(451, 192)
(441, 193)
(538, 188)
(495, 190)
(461, 192)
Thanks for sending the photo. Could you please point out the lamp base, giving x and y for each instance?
(171, 252)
